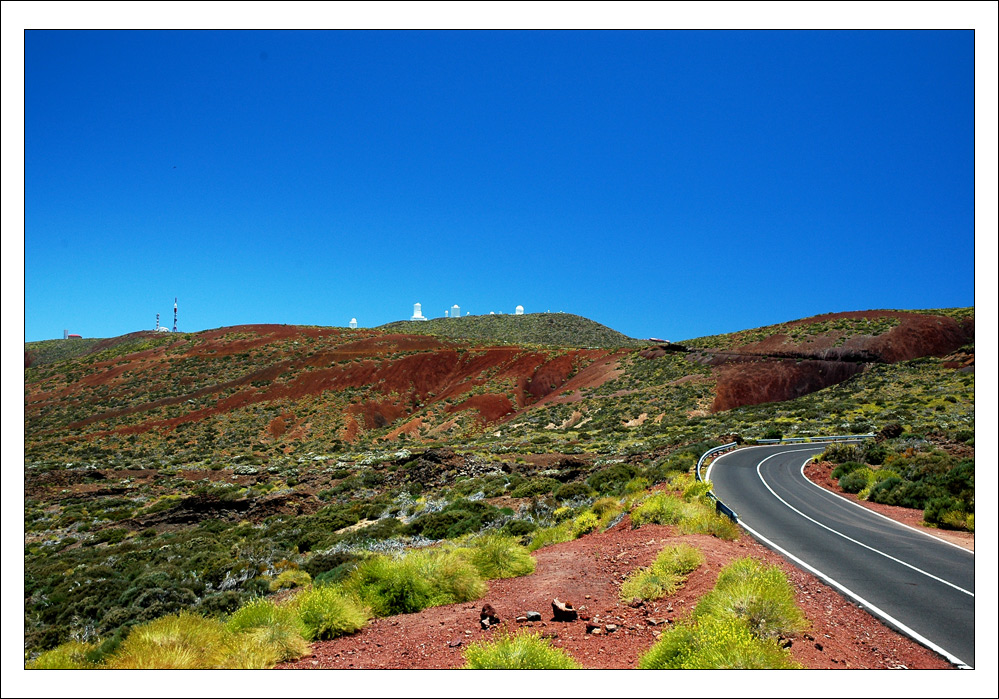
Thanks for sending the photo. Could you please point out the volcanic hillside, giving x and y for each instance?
(562, 329)
(278, 388)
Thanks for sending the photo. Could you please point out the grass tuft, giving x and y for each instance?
(182, 641)
(759, 595)
(551, 535)
(278, 627)
(72, 655)
(525, 651)
(664, 576)
(497, 556)
(328, 612)
(715, 643)
(415, 581)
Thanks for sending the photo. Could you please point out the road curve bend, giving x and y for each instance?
(921, 585)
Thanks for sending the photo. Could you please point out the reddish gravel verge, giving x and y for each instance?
(588, 572)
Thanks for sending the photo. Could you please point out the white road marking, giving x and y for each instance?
(842, 588)
(837, 533)
(861, 601)
(874, 512)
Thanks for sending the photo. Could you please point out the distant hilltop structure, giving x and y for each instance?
(352, 324)
(67, 335)
(455, 312)
(163, 328)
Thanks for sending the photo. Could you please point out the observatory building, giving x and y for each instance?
(519, 311)
(353, 323)
(418, 312)
(456, 311)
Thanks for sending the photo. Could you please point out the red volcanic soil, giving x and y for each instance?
(588, 573)
(748, 381)
(916, 335)
(744, 377)
(398, 374)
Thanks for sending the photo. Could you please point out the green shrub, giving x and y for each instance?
(497, 556)
(612, 479)
(176, 642)
(277, 627)
(757, 594)
(845, 468)
(664, 576)
(72, 655)
(573, 491)
(457, 519)
(707, 521)
(857, 480)
(534, 486)
(660, 508)
(941, 511)
(883, 491)
(691, 488)
(415, 581)
(519, 528)
(524, 651)
(636, 485)
(584, 524)
(840, 452)
(328, 612)
(551, 535)
(714, 643)
(290, 578)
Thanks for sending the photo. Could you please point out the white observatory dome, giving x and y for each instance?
(519, 311)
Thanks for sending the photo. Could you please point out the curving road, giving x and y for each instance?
(921, 585)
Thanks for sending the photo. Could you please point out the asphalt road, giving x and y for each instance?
(915, 582)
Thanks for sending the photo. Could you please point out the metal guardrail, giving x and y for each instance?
(709, 453)
(722, 508)
(833, 438)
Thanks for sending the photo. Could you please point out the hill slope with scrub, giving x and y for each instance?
(196, 472)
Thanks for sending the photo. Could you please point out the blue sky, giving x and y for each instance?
(670, 184)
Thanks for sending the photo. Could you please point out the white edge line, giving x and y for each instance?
(874, 512)
(788, 505)
(861, 601)
(876, 611)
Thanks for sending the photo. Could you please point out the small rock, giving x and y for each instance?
(563, 611)
(818, 646)
(592, 628)
(456, 643)
(521, 619)
(488, 615)
(611, 628)
(533, 616)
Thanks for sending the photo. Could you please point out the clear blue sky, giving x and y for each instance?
(669, 184)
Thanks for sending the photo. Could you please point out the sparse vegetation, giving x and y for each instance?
(523, 651)
(664, 576)
(145, 500)
(556, 329)
(735, 626)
